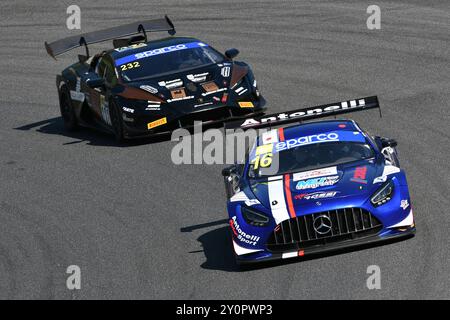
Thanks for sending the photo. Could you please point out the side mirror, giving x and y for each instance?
(226, 172)
(231, 179)
(95, 82)
(231, 53)
(389, 143)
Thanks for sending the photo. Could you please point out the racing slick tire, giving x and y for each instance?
(67, 110)
(116, 121)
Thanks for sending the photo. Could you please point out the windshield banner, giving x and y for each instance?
(158, 51)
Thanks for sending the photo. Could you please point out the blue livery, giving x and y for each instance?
(316, 187)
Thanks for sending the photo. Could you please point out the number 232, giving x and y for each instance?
(130, 65)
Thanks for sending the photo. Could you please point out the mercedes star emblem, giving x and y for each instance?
(322, 224)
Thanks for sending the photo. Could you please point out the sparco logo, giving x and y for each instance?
(291, 143)
(307, 112)
(241, 235)
(160, 51)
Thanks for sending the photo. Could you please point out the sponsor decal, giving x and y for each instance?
(182, 98)
(404, 204)
(346, 105)
(224, 98)
(203, 104)
(153, 107)
(265, 148)
(241, 235)
(157, 123)
(315, 195)
(270, 136)
(316, 138)
(215, 91)
(317, 182)
(245, 104)
(210, 86)
(225, 71)
(242, 92)
(178, 93)
(314, 173)
(128, 110)
(159, 51)
(171, 84)
(150, 89)
(197, 77)
(360, 175)
(77, 95)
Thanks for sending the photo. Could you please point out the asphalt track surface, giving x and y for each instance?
(141, 227)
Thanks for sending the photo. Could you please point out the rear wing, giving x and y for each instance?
(306, 114)
(58, 47)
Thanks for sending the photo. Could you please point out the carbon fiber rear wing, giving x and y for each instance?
(300, 115)
(58, 47)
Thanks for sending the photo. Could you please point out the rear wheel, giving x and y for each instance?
(116, 121)
(67, 110)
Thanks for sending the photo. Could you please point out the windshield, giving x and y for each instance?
(309, 157)
(166, 60)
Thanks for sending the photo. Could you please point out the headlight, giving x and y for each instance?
(254, 218)
(383, 195)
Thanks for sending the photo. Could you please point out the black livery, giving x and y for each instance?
(144, 88)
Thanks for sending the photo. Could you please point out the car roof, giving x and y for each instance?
(150, 45)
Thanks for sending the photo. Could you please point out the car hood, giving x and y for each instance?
(197, 87)
(352, 181)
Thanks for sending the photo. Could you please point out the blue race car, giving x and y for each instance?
(316, 187)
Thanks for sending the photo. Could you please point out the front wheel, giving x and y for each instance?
(116, 121)
(67, 110)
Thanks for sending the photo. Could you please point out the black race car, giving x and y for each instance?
(144, 88)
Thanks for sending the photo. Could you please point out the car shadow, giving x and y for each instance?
(216, 246)
(95, 137)
(218, 250)
(55, 126)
